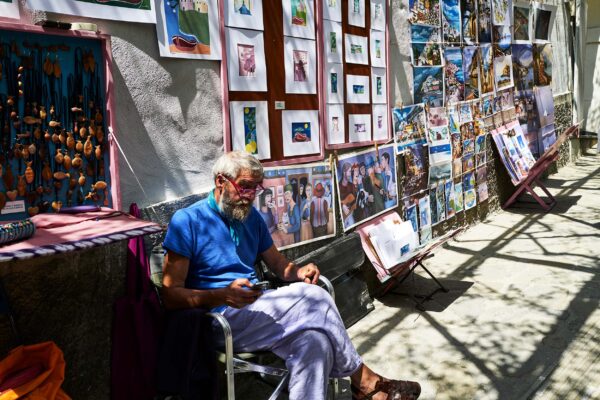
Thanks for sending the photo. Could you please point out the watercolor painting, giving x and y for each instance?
(486, 80)
(502, 9)
(300, 132)
(336, 124)
(246, 67)
(503, 73)
(542, 64)
(424, 34)
(118, 10)
(484, 11)
(426, 54)
(298, 18)
(250, 128)
(424, 12)
(471, 71)
(409, 126)
(522, 58)
(189, 30)
(300, 58)
(521, 22)
(429, 86)
(451, 21)
(246, 60)
(244, 14)
(297, 204)
(468, 12)
(544, 21)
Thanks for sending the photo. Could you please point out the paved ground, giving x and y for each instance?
(522, 318)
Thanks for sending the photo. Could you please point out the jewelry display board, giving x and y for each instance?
(364, 77)
(271, 84)
(54, 124)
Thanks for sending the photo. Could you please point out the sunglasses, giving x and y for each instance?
(245, 192)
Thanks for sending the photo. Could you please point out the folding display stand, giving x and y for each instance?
(541, 165)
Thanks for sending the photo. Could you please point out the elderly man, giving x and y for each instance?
(211, 250)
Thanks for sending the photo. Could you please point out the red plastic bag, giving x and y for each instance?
(33, 372)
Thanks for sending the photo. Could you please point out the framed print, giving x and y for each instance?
(142, 10)
(300, 65)
(522, 25)
(360, 197)
(179, 38)
(250, 127)
(246, 14)
(380, 122)
(10, 9)
(335, 83)
(306, 211)
(359, 127)
(246, 68)
(378, 49)
(378, 14)
(332, 10)
(299, 18)
(336, 123)
(300, 130)
(378, 86)
(356, 13)
(544, 15)
(356, 49)
(357, 89)
(332, 41)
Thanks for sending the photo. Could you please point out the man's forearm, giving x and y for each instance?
(180, 298)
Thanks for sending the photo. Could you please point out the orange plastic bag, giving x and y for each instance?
(36, 371)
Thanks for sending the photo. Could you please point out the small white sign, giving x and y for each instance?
(280, 105)
(13, 207)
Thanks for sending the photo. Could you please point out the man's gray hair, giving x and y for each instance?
(233, 163)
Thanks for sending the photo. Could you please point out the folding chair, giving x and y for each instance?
(238, 363)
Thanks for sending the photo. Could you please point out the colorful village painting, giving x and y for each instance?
(187, 24)
(425, 12)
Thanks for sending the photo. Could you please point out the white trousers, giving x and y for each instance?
(301, 324)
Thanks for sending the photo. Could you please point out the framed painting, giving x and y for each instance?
(246, 66)
(378, 86)
(335, 84)
(301, 133)
(378, 47)
(332, 10)
(299, 18)
(378, 14)
(335, 124)
(118, 10)
(300, 58)
(380, 122)
(356, 49)
(250, 127)
(357, 89)
(356, 13)
(332, 41)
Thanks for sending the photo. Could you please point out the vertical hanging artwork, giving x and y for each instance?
(119, 10)
(522, 59)
(246, 14)
(297, 204)
(522, 22)
(471, 71)
(185, 31)
(426, 54)
(299, 18)
(332, 41)
(300, 130)
(300, 59)
(378, 15)
(484, 21)
(544, 15)
(503, 72)
(378, 86)
(486, 77)
(335, 124)
(424, 12)
(335, 84)
(378, 58)
(469, 22)
(9, 9)
(542, 64)
(332, 10)
(246, 67)
(454, 78)
(409, 126)
(356, 49)
(451, 21)
(356, 13)
(250, 127)
(501, 12)
(380, 122)
(424, 219)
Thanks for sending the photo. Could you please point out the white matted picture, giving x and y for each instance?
(378, 86)
(335, 124)
(359, 127)
(246, 68)
(301, 134)
(244, 14)
(177, 39)
(380, 122)
(356, 13)
(332, 41)
(299, 18)
(357, 89)
(544, 15)
(250, 127)
(335, 83)
(332, 10)
(378, 14)
(300, 58)
(377, 49)
(356, 49)
(128, 10)
(10, 9)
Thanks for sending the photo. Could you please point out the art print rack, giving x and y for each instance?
(273, 110)
(55, 150)
(361, 115)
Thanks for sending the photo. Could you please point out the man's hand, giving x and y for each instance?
(308, 273)
(237, 296)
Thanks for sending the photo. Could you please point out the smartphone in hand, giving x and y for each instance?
(263, 285)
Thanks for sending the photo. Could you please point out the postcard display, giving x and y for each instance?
(355, 50)
(273, 82)
(54, 148)
(477, 65)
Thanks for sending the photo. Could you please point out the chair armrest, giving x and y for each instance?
(328, 286)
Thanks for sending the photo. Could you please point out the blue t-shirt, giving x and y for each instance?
(203, 235)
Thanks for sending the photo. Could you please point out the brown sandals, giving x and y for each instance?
(396, 390)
